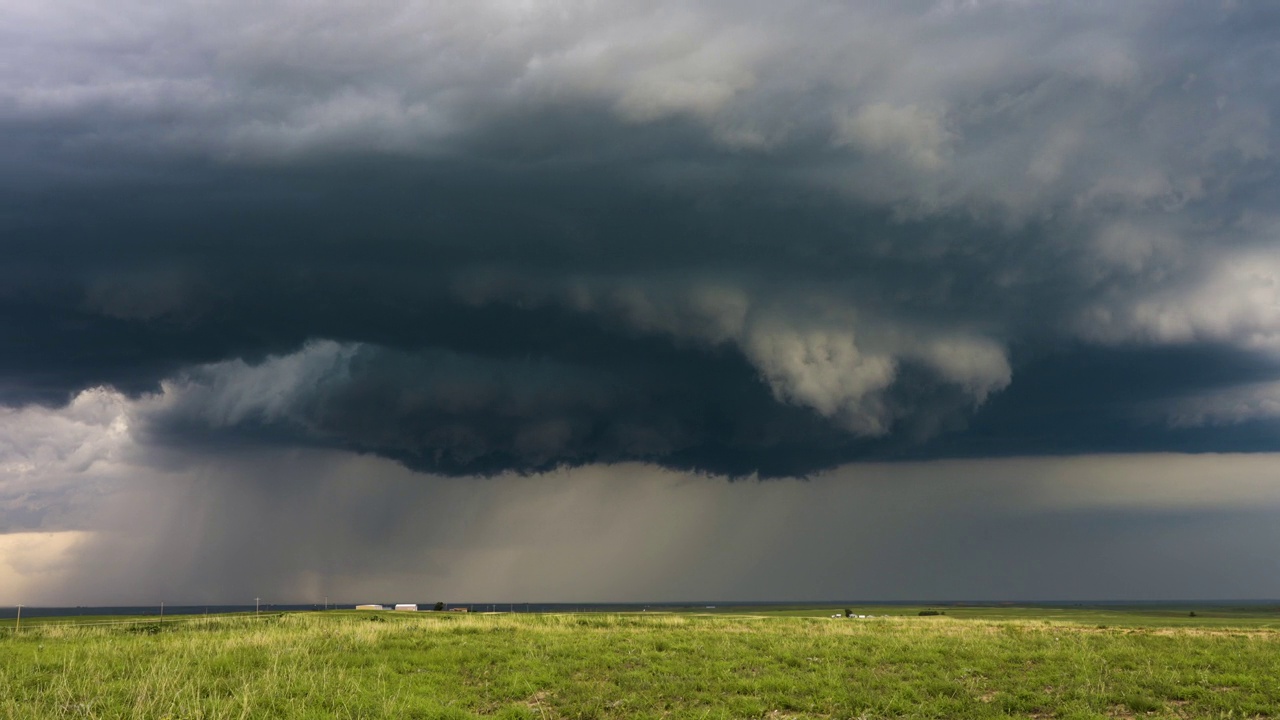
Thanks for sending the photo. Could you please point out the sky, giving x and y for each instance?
(521, 300)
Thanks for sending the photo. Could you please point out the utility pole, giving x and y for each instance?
(256, 604)
(18, 623)
(161, 611)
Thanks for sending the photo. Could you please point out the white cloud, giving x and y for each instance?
(54, 462)
(1236, 301)
(232, 392)
(824, 370)
(34, 564)
(978, 365)
(915, 136)
(1230, 406)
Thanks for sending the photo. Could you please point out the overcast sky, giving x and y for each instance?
(524, 300)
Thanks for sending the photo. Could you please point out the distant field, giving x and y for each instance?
(28, 623)
(970, 663)
(1206, 615)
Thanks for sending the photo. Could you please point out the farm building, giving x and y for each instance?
(370, 607)
(407, 606)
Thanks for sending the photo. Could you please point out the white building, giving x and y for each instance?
(407, 606)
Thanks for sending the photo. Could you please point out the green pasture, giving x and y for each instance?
(643, 665)
(8, 625)
(1205, 615)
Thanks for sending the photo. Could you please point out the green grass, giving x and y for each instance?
(643, 665)
(1129, 616)
(26, 622)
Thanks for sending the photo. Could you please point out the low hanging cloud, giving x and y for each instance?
(442, 412)
(1226, 406)
(204, 525)
(487, 237)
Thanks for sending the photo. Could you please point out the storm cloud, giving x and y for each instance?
(259, 261)
(501, 236)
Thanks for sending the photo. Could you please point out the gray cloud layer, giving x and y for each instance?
(484, 236)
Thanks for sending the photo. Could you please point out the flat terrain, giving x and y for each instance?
(1206, 615)
(775, 664)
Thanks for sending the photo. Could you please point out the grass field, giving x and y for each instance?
(1205, 615)
(772, 665)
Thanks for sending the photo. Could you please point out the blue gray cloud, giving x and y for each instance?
(479, 237)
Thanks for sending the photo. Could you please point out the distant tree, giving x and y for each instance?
(439, 606)
(1193, 614)
(848, 613)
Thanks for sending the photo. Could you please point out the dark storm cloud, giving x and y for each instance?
(467, 414)
(488, 236)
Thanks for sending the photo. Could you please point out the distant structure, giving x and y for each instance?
(412, 607)
(370, 607)
(457, 609)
